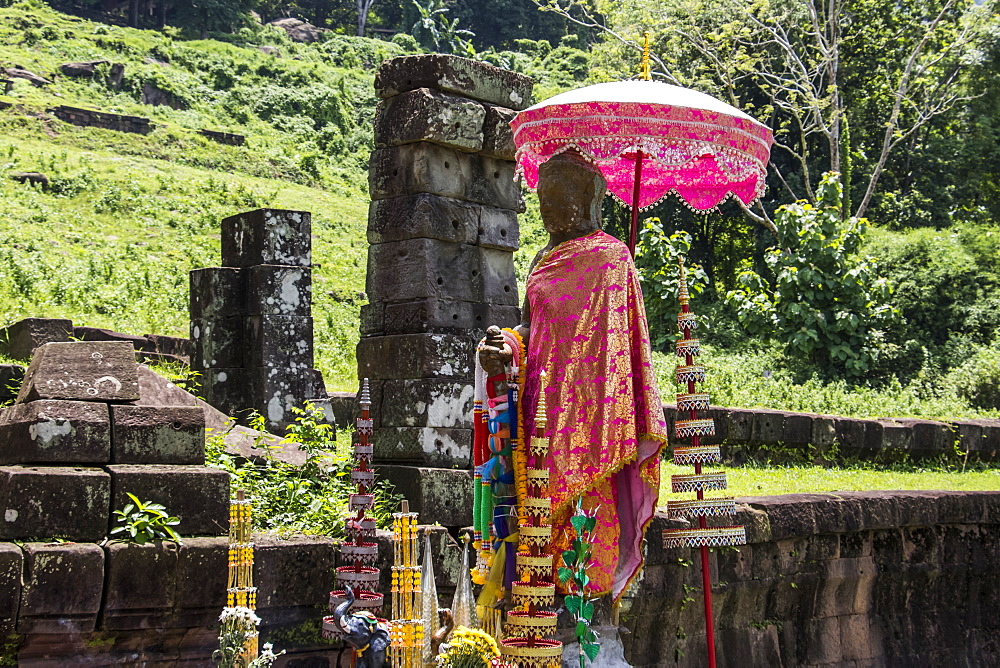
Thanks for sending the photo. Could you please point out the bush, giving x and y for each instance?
(978, 379)
(825, 303)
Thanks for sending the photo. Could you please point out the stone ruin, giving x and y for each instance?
(846, 580)
(251, 319)
(443, 229)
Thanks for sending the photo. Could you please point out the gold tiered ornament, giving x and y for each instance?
(690, 402)
(406, 629)
(525, 644)
(359, 552)
(240, 592)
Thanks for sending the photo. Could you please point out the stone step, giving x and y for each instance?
(198, 495)
(55, 432)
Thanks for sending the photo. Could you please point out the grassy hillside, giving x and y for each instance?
(126, 217)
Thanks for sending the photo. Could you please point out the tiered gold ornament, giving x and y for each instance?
(240, 591)
(689, 403)
(359, 552)
(407, 625)
(525, 644)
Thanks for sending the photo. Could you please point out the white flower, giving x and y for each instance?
(239, 614)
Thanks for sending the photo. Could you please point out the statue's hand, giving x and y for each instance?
(495, 354)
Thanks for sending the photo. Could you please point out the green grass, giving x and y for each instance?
(114, 249)
(802, 479)
(758, 379)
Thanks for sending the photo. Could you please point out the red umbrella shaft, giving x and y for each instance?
(635, 203)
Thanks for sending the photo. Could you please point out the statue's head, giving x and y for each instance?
(570, 190)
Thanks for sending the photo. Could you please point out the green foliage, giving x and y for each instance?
(144, 522)
(825, 303)
(311, 498)
(658, 258)
(573, 574)
(434, 31)
(977, 380)
(763, 378)
(947, 288)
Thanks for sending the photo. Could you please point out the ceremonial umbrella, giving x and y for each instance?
(649, 139)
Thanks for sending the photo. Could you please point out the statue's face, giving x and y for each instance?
(567, 198)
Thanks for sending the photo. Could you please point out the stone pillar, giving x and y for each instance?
(251, 320)
(443, 230)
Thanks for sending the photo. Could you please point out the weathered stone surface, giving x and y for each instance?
(929, 438)
(158, 435)
(402, 271)
(198, 495)
(429, 115)
(52, 501)
(84, 370)
(62, 588)
(498, 138)
(443, 315)
(740, 425)
(498, 276)
(21, 339)
(217, 292)
(217, 343)
(768, 427)
(226, 390)
(498, 228)
(294, 576)
(416, 356)
(228, 138)
(91, 68)
(267, 236)
(276, 391)
(850, 433)
(428, 168)
(282, 342)
(141, 584)
(201, 580)
(443, 496)
(298, 30)
(426, 403)
(423, 216)
(453, 74)
(47, 431)
(102, 119)
(279, 290)
(21, 73)
(441, 447)
(896, 438)
(11, 567)
(797, 429)
(373, 319)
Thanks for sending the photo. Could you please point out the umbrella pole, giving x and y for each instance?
(633, 230)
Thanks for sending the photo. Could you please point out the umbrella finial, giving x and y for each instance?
(645, 72)
(683, 290)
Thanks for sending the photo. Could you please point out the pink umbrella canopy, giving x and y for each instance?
(687, 142)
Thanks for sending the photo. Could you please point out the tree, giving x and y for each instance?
(804, 67)
(364, 6)
(826, 303)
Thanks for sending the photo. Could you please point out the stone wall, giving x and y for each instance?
(103, 119)
(443, 228)
(852, 579)
(224, 137)
(20, 340)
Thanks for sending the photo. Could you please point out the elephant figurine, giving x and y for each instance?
(366, 633)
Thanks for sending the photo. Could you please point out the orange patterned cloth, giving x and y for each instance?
(605, 419)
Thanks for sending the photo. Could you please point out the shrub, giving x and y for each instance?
(144, 522)
(825, 303)
(978, 379)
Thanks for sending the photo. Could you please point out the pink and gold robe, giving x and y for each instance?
(589, 333)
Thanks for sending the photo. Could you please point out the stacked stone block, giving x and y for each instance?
(73, 446)
(103, 119)
(443, 229)
(251, 320)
